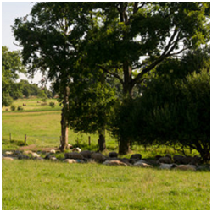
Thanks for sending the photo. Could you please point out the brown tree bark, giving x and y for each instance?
(64, 122)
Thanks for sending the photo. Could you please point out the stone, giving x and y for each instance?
(27, 152)
(167, 166)
(136, 157)
(86, 154)
(8, 158)
(168, 156)
(23, 157)
(50, 157)
(113, 155)
(114, 163)
(179, 159)
(142, 163)
(98, 157)
(157, 157)
(76, 150)
(186, 168)
(17, 152)
(165, 160)
(195, 160)
(52, 151)
(8, 153)
(73, 155)
(70, 161)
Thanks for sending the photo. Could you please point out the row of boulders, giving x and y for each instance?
(163, 162)
(179, 159)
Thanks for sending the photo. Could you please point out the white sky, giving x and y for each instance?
(11, 11)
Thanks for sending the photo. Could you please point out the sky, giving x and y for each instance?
(11, 11)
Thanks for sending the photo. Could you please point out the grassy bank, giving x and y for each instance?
(49, 185)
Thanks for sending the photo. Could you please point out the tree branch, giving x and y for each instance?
(114, 74)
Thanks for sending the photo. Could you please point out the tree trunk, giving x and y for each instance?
(64, 122)
(124, 144)
(101, 140)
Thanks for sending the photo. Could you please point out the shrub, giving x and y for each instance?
(12, 108)
(51, 104)
(44, 103)
(20, 108)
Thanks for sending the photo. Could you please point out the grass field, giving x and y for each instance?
(46, 185)
(56, 185)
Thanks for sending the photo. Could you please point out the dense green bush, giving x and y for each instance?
(51, 104)
(170, 112)
(12, 108)
(20, 108)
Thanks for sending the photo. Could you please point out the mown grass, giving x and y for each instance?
(32, 105)
(30, 185)
(43, 129)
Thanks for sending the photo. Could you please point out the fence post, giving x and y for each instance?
(25, 138)
(89, 140)
(10, 137)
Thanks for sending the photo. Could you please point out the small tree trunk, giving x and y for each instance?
(101, 140)
(64, 122)
(124, 146)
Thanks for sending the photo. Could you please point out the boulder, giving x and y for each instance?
(152, 162)
(168, 156)
(98, 157)
(126, 161)
(114, 163)
(203, 168)
(38, 158)
(70, 161)
(69, 146)
(186, 168)
(17, 152)
(179, 159)
(166, 160)
(8, 158)
(167, 166)
(76, 150)
(142, 163)
(136, 157)
(157, 157)
(8, 153)
(86, 153)
(27, 152)
(23, 157)
(73, 155)
(195, 160)
(52, 151)
(113, 155)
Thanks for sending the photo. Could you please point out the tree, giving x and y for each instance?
(123, 32)
(11, 66)
(91, 102)
(178, 114)
(50, 41)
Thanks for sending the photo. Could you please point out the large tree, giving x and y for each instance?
(124, 33)
(50, 39)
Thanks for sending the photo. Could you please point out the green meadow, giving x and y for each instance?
(49, 185)
(44, 185)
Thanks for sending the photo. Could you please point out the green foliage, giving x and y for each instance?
(11, 66)
(51, 104)
(20, 108)
(12, 108)
(170, 113)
